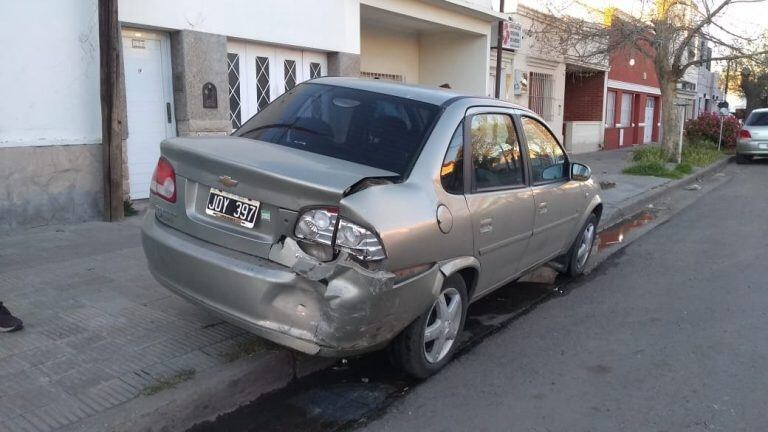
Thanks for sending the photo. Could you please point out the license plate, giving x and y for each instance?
(233, 208)
(762, 146)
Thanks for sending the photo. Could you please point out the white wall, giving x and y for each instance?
(446, 16)
(387, 51)
(458, 59)
(49, 73)
(583, 137)
(328, 25)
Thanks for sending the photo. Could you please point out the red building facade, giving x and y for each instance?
(633, 100)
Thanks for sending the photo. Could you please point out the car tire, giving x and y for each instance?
(581, 250)
(741, 159)
(421, 358)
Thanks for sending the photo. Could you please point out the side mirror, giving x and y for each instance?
(580, 172)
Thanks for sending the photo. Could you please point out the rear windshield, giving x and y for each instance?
(369, 128)
(758, 119)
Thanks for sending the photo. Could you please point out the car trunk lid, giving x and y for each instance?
(283, 180)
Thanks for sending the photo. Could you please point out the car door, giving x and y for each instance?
(499, 199)
(557, 199)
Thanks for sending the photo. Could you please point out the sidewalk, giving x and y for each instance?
(106, 348)
(624, 195)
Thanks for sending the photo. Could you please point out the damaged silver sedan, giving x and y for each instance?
(350, 215)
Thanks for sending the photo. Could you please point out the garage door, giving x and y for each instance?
(258, 74)
(149, 104)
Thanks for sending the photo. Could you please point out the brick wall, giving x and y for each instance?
(584, 97)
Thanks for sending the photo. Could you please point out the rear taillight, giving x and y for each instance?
(164, 181)
(322, 225)
(744, 134)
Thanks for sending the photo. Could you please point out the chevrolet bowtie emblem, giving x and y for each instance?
(228, 181)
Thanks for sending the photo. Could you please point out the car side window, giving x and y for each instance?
(496, 156)
(548, 162)
(452, 170)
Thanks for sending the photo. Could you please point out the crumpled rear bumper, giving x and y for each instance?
(330, 309)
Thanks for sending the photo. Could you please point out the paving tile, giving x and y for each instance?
(99, 328)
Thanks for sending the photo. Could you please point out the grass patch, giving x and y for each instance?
(129, 209)
(648, 155)
(656, 169)
(700, 153)
(247, 348)
(684, 168)
(164, 383)
(653, 161)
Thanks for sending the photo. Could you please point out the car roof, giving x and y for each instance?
(421, 93)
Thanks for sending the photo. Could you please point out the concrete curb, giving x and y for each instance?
(636, 204)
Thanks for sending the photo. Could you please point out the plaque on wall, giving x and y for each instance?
(210, 99)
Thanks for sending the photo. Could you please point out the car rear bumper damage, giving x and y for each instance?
(332, 309)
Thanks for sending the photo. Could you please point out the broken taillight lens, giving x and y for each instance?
(322, 225)
(163, 182)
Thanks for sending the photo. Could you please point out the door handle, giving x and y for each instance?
(168, 111)
(542, 207)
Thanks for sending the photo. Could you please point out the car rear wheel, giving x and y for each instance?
(428, 343)
(742, 159)
(582, 247)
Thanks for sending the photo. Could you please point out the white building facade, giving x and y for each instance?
(538, 77)
(197, 68)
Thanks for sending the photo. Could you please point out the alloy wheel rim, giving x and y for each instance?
(442, 325)
(585, 248)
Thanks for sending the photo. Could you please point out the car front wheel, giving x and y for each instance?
(428, 344)
(582, 247)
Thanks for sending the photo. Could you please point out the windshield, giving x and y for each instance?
(369, 128)
(758, 118)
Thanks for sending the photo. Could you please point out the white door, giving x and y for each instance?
(149, 104)
(260, 73)
(650, 104)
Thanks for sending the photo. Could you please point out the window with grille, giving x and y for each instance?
(610, 109)
(541, 94)
(262, 82)
(383, 76)
(233, 75)
(289, 74)
(315, 70)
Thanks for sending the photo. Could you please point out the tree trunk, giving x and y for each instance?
(670, 117)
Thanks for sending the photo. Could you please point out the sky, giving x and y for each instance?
(746, 18)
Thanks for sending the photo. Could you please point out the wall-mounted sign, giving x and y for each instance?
(511, 38)
(210, 99)
(138, 43)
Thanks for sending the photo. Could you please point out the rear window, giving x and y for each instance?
(369, 128)
(758, 119)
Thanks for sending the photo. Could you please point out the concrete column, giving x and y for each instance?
(343, 64)
(196, 59)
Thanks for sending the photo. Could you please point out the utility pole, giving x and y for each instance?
(111, 109)
(499, 40)
(727, 79)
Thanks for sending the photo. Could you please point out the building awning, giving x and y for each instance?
(470, 8)
(632, 87)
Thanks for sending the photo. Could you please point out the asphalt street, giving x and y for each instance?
(668, 335)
